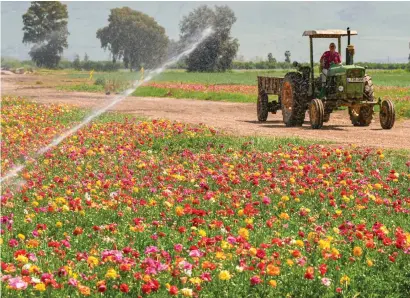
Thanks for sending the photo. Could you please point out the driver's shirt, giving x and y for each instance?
(330, 57)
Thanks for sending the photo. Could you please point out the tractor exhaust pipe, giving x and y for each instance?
(349, 49)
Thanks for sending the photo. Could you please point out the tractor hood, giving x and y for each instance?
(335, 70)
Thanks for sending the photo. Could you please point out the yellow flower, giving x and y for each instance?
(345, 280)
(93, 261)
(289, 262)
(323, 244)
(224, 275)
(273, 283)
(253, 251)
(40, 287)
(59, 224)
(299, 243)
(244, 233)
(111, 273)
(240, 212)
(186, 292)
(249, 220)
(202, 233)
(369, 263)
(285, 198)
(21, 236)
(195, 280)
(22, 259)
(284, 215)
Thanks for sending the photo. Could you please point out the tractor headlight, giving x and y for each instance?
(340, 88)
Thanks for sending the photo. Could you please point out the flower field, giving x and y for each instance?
(159, 208)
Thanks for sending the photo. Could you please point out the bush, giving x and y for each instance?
(100, 82)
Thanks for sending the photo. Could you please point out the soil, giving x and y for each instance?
(233, 118)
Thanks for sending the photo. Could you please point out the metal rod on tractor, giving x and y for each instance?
(311, 65)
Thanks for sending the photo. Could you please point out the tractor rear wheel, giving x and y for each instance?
(262, 107)
(316, 113)
(387, 114)
(293, 100)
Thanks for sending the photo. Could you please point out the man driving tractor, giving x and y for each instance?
(327, 58)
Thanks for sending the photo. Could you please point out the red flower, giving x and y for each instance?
(323, 269)
(77, 231)
(260, 253)
(173, 290)
(124, 288)
(309, 274)
(255, 280)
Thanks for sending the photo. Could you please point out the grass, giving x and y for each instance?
(177, 93)
(400, 78)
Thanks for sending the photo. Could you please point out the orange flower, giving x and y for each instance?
(357, 251)
(84, 290)
(272, 270)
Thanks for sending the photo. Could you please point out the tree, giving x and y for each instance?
(134, 37)
(287, 56)
(217, 52)
(45, 26)
(77, 62)
(271, 59)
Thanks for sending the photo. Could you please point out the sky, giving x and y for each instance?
(261, 27)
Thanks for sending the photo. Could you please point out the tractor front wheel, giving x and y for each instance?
(316, 113)
(387, 114)
(361, 115)
(262, 107)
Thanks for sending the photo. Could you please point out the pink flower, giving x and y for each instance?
(231, 239)
(266, 200)
(73, 282)
(195, 253)
(151, 249)
(206, 276)
(178, 247)
(13, 243)
(17, 283)
(326, 281)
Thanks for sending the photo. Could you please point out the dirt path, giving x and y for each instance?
(233, 118)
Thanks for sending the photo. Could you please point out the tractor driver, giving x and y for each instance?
(327, 59)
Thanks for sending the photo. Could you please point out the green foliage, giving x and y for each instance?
(134, 37)
(287, 56)
(216, 53)
(77, 62)
(100, 81)
(271, 59)
(45, 26)
(13, 63)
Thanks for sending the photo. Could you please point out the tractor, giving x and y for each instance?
(344, 86)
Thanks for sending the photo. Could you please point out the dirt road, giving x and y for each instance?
(233, 118)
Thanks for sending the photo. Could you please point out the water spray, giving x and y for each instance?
(17, 169)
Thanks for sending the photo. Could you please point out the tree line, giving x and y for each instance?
(135, 39)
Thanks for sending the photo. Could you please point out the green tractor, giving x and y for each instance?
(344, 85)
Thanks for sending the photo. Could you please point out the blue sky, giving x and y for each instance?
(261, 27)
